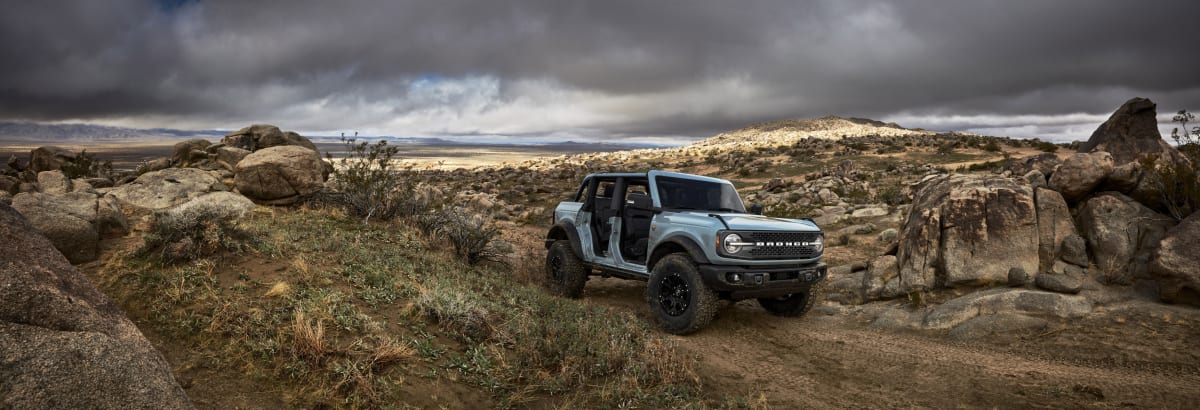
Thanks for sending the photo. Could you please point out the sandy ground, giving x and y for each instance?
(829, 359)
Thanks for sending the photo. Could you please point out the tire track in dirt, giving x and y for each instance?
(821, 361)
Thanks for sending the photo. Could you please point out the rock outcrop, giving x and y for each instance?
(167, 188)
(1121, 235)
(49, 158)
(1131, 132)
(1177, 262)
(1054, 226)
(280, 175)
(1081, 174)
(63, 344)
(967, 230)
(187, 152)
(73, 222)
(261, 136)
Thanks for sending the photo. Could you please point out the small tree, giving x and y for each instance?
(1188, 141)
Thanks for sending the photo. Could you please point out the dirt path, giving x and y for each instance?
(823, 361)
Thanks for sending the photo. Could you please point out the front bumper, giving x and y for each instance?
(745, 282)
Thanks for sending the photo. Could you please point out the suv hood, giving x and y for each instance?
(752, 222)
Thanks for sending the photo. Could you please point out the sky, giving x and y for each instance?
(613, 70)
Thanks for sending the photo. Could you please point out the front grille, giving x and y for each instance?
(782, 252)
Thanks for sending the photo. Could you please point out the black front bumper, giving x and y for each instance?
(761, 281)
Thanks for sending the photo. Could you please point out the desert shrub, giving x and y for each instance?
(991, 146)
(891, 194)
(947, 148)
(474, 238)
(85, 165)
(192, 232)
(369, 184)
(1045, 146)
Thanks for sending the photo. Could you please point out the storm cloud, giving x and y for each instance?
(594, 69)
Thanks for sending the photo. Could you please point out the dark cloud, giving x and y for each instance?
(611, 68)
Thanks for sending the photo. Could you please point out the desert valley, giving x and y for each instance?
(252, 271)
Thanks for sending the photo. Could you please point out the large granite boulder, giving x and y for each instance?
(73, 222)
(229, 157)
(63, 344)
(54, 182)
(280, 175)
(49, 158)
(1054, 226)
(169, 187)
(1121, 235)
(967, 230)
(1080, 174)
(1177, 262)
(260, 136)
(1045, 163)
(188, 152)
(1130, 133)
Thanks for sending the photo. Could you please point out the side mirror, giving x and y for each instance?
(756, 208)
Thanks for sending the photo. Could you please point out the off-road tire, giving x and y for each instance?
(565, 273)
(794, 305)
(678, 298)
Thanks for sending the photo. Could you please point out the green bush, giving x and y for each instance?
(1178, 182)
(991, 146)
(368, 183)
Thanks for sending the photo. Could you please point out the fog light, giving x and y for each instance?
(734, 278)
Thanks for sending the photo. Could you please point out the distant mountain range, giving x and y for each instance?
(68, 133)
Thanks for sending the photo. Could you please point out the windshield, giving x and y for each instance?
(679, 193)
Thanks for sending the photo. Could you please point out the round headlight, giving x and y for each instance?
(818, 244)
(729, 241)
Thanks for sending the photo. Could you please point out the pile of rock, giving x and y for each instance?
(1058, 226)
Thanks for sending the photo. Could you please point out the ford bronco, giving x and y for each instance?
(691, 239)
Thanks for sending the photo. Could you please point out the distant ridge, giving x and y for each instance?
(65, 133)
(786, 132)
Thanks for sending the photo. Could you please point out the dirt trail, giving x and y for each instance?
(823, 361)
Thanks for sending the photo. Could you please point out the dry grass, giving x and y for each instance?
(309, 342)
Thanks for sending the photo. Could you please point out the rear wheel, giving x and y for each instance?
(679, 300)
(565, 273)
(793, 305)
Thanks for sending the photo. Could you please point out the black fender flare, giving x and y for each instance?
(565, 230)
(690, 246)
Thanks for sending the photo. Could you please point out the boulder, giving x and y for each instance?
(67, 220)
(1007, 300)
(827, 196)
(280, 175)
(9, 184)
(54, 182)
(157, 164)
(260, 136)
(190, 151)
(1035, 179)
(1121, 235)
(63, 344)
(1054, 226)
(880, 272)
(1130, 133)
(1073, 250)
(229, 157)
(1056, 282)
(967, 230)
(167, 188)
(869, 212)
(995, 324)
(1044, 163)
(226, 205)
(49, 158)
(888, 235)
(1018, 277)
(1080, 174)
(6, 198)
(1177, 262)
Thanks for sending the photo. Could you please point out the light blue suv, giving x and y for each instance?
(691, 239)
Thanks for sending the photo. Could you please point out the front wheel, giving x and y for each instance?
(679, 300)
(793, 305)
(565, 273)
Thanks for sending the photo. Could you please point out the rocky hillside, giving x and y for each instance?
(786, 132)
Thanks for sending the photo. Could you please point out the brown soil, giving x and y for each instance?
(832, 360)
